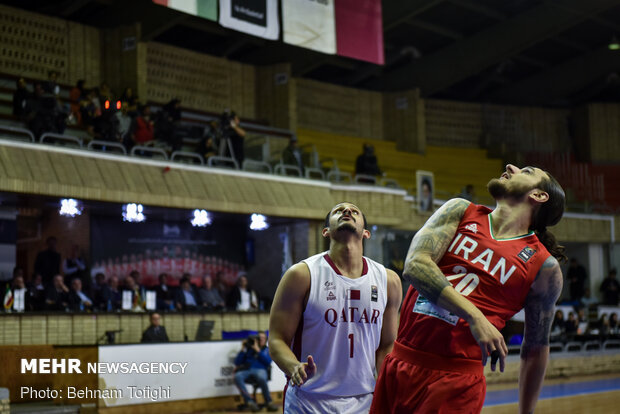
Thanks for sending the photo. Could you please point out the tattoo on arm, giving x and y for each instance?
(428, 247)
(540, 306)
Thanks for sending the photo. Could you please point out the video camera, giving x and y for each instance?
(250, 341)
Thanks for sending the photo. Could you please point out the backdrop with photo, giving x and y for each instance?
(173, 247)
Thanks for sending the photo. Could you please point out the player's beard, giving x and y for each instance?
(346, 228)
(499, 189)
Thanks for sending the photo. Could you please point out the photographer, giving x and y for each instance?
(231, 129)
(253, 363)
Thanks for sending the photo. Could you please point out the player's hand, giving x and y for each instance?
(491, 342)
(303, 372)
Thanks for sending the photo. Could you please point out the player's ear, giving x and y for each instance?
(366, 234)
(539, 195)
(325, 232)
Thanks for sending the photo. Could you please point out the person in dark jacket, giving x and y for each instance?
(155, 332)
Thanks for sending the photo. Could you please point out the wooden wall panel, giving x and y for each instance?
(339, 110)
(201, 82)
(404, 120)
(603, 132)
(34, 44)
(274, 96)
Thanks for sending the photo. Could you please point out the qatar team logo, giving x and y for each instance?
(329, 286)
(472, 227)
(526, 254)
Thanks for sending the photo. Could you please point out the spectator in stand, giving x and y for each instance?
(571, 325)
(51, 86)
(76, 94)
(610, 289)
(19, 287)
(185, 298)
(613, 324)
(105, 126)
(366, 162)
(167, 124)
(155, 332)
(101, 293)
(116, 295)
(467, 193)
(132, 101)
(142, 131)
(165, 297)
(57, 297)
(241, 297)
(210, 296)
(221, 285)
(123, 121)
(46, 114)
(558, 327)
(20, 99)
(206, 147)
(78, 301)
(37, 293)
(105, 94)
(230, 125)
(603, 326)
(47, 262)
(293, 155)
(576, 277)
(74, 266)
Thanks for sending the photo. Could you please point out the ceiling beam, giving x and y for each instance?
(480, 9)
(397, 12)
(582, 47)
(471, 55)
(434, 28)
(562, 80)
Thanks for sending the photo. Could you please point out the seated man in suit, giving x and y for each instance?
(155, 332)
(185, 298)
(57, 297)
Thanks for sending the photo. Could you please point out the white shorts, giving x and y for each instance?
(297, 401)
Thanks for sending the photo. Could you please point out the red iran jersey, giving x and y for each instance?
(494, 274)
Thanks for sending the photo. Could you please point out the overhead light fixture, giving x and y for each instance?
(614, 45)
(70, 207)
(258, 222)
(133, 213)
(202, 218)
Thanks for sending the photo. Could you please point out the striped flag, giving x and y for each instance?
(8, 298)
(207, 9)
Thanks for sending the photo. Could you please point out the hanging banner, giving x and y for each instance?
(254, 17)
(359, 30)
(207, 9)
(309, 24)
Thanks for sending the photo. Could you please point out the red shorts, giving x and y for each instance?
(413, 381)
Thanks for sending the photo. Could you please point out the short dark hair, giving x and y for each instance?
(329, 213)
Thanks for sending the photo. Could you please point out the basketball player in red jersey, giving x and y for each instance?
(472, 269)
(333, 320)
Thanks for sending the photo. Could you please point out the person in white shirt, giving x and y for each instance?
(334, 319)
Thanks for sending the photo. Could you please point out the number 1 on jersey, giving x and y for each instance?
(351, 345)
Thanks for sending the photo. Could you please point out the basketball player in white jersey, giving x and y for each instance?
(333, 321)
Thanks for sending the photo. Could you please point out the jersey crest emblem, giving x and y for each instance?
(331, 296)
(374, 293)
(472, 227)
(526, 254)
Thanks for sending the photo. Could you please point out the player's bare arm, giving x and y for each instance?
(390, 318)
(286, 312)
(539, 311)
(427, 248)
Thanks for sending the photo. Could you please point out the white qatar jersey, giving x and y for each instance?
(341, 327)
